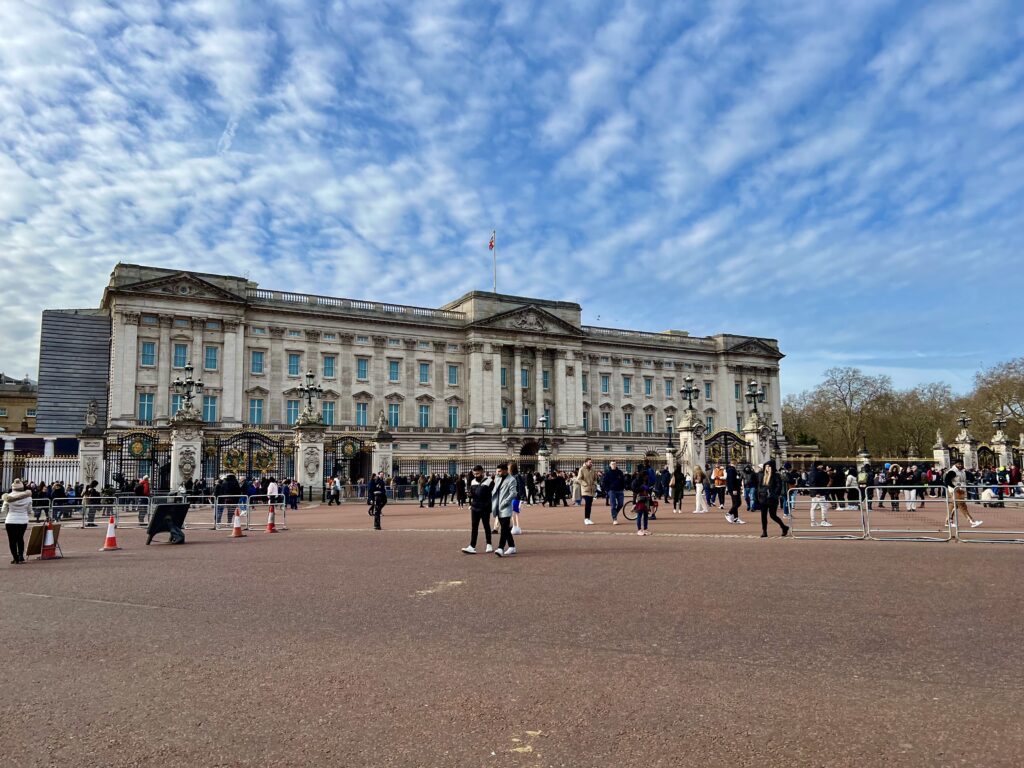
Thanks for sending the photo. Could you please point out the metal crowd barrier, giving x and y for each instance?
(813, 515)
(1001, 513)
(260, 505)
(908, 513)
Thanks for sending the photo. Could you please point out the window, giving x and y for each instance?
(710, 424)
(329, 362)
(424, 447)
(393, 415)
(707, 390)
(330, 336)
(548, 420)
(586, 421)
(361, 414)
(148, 357)
(210, 359)
(669, 387)
(182, 322)
(294, 363)
(583, 378)
(526, 418)
(210, 408)
(149, 319)
(294, 334)
(606, 385)
(394, 342)
(627, 422)
(453, 375)
(29, 412)
(256, 360)
(424, 373)
(649, 422)
(546, 379)
(504, 416)
(175, 404)
(145, 407)
(258, 331)
(739, 423)
(213, 325)
(362, 368)
(524, 378)
(648, 386)
(292, 411)
(453, 417)
(180, 355)
(3, 411)
(504, 378)
(423, 345)
(738, 390)
(255, 410)
(627, 385)
(393, 370)
(362, 339)
(424, 414)
(606, 421)
(328, 413)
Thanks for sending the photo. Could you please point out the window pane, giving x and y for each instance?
(424, 416)
(627, 385)
(453, 417)
(424, 373)
(584, 380)
(145, 407)
(294, 363)
(649, 423)
(605, 384)
(546, 379)
(393, 415)
(453, 375)
(329, 366)
(586, 420)
(627, 422)
(328, 413)
(257, 362)
(504, 377)
(180, 355)
(360, 414)
(710, 424)
(292, 411)
(210, 360)
(209, 408)
(149, 353)
(361, 368)
(606, 422)
(526, 418)
(504, 416)
(648, 387)
(255, 411)
(524, 378)
(669, 385)
(175, 404)
(707, 390)
(392, 370)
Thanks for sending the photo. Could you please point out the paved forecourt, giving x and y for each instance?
(333, 644)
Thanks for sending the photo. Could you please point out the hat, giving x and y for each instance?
(17, 485)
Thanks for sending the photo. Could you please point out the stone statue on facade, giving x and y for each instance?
(91, 414)
(382, 422)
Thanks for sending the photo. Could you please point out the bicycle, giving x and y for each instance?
(629, 510)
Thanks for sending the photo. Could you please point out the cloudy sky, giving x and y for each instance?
(845, 177)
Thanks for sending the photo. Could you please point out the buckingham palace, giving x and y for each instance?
(483, 376)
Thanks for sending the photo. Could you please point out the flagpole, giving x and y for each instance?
(494, 255)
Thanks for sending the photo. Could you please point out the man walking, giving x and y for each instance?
(502, 496)
(614, 484)
(817, 482)
(734, 487)
(587, 478)
(480, 488)
(377, 497)
(956, 487)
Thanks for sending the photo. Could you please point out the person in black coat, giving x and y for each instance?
(770, 488)
(480, 488)
(733, 487)
(376, 497)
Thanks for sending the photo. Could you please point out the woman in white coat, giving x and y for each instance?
(16, 506)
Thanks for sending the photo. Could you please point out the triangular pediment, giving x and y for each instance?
(184, 285)
(529, 319)
(755, 347)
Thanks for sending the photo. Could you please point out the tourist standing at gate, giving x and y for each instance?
(142, 491)
(15, 509)
(480, 487)
(460, 490)
(90, 500)
(700, 488)
(677, 487)
(501, 505)
(734, 488)
(614, 484)
(718, 482)
(817, 483)
(587, 478)
(770, 488)
(377, 497)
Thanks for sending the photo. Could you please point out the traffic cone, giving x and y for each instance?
(236, 529)
(111, 543)
(270, 521)
(49, 544)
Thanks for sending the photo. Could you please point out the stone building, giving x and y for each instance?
(18, 399)
(467, 381)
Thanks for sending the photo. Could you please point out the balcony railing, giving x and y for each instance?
(331, 302)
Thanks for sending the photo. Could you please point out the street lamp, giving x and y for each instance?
(310, 390)
(187, 387)
(999, 423)
(964, 421)
(690, 391)
(542, 422)
(775, 438)
(754, 395)
(668, 425)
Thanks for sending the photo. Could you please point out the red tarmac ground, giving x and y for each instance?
(332, 644)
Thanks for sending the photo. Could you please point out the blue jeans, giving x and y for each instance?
(617, 499)
(641, 517)
(750, 496)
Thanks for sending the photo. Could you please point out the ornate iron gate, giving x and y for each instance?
(955, 455)
(725, 446)
(987, 457)
(132, 456)
(248, 455)
(347, 458)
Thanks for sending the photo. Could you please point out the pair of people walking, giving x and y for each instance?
(492, 496)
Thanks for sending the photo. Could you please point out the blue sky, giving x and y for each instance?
(845, 177)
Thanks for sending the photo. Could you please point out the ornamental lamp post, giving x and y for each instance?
(543, 423)
(964, 421)
(999, 423)
(309, 391)
(690, 391)
(187, 388)
(668, 426)
(775, 439)
(755, 395)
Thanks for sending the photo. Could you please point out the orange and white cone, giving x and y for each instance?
(49, 544)
(271, 528)
(111, 543)
(236, 527)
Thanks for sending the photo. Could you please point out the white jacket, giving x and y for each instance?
(16, 506)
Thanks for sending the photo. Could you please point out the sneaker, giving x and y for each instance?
(813, 524)
(740, 522)
(976, 523)
(730, 519)
(764, 535)
(615, 522)
(489, 548)
(952, 524)
(499, 553)
(588, 522)
(699, 511)
(826, 524)
(469, 550)
(510, 551)
(516, 530)
(639, 533)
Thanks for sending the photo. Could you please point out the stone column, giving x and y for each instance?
(477, 388)
(562, 412)
(125, 366)
(8, 475)
(49, 446)
(309, 456)
(233, 367)
(691, 441)
(345, 410)
(492, 408)
(968, 448)
(517, 389)
(759, 436)
(1003, 448)
(162, 404)
(90, 457)
(198, 354)
(383, 453)
(538, 376)
(186, 446)
(940, 451)
(273, 413)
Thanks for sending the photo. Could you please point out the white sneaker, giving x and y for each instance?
(510, 551)
(639, 533)
(976, 523)
(499, 553)
(588, 522)
(489, 548)
(813, 524)
(615, 522)
(469, 550)
(952, 523)
(730, 519)
(740, 522)
(516, 530)
(826, 524)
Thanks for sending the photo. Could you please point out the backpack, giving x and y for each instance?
(862, 477)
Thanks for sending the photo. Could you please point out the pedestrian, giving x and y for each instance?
(376, 497)
(700, 486)
(641, 501)
(293, 494)
(90, 500)
(956, 486)
(817, 483)
(16, 506)
(460, 490)
(734, 487)
(770, 488)
(502, 496)
(480, 488)
(718, 480)
(677, 486)
(587, 479)
(614, 484)
(520, 482)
